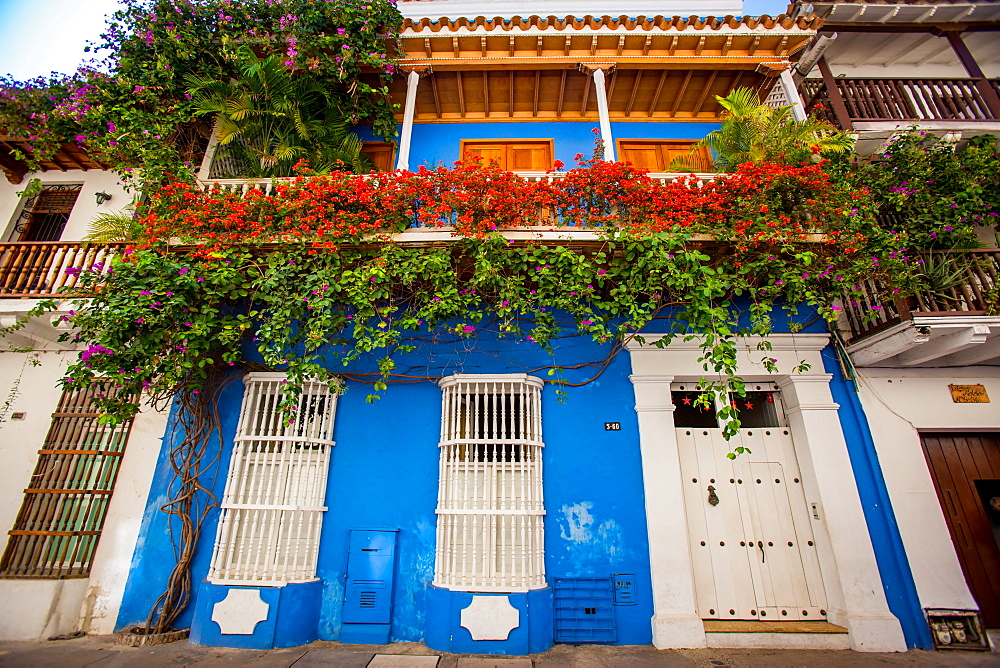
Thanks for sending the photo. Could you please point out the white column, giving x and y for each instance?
(602, 113)
(675, 621)
(792, 94)
(403, 159)
(205, 170)
(850, 573)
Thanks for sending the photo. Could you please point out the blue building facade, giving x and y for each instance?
(628, 544)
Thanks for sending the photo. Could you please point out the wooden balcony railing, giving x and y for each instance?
(963, 282)
(39, 269)
(545, 217)
(904, 99)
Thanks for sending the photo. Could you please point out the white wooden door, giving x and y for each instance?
(753, 551)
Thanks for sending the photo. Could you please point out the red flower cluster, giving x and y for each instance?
(762, 203)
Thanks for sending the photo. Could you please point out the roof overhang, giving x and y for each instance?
(67, 157)
(537, 68)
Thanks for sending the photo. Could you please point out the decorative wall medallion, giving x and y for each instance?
(240, 612)
(490, 618)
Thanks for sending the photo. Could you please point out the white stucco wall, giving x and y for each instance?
(855, 598)
(37, 609)
(899, 404)
(85, 209)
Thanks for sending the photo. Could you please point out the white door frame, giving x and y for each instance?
(855, 597)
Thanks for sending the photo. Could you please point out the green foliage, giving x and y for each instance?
(269, 118)
(133, 109)
(755, 132)
(932, 193)
(164, 320)
(114, 227)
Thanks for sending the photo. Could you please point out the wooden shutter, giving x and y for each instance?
(380, 153)
(516, 156)
(658, 156)
(60, 522)
(530, 157)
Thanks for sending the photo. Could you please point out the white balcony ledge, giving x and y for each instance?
(40, 332)
(957, 340)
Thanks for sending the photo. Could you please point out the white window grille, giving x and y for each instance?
(272, 508)
(490, 507)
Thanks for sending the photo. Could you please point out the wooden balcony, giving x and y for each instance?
(37, 270)
(860, 103)
(546, 221)
(957, 316)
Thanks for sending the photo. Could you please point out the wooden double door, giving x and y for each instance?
(966, 472)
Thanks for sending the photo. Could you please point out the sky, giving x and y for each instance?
(42, 36)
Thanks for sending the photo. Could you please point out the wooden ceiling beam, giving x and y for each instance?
(538, 88)
(586, 96)
(782, 46)
(621, 44)
(482, 46)
(593, 45)
(728, 45)
(753, 45)
(73, 161)
(701, 45)
(454, 47)
(510, 46)
(635, 89)
(566, 46)
(510, 102)
(680, 93)
(656, 95)
(427, 48)
(15, 170)
(704, 93)
(486, 92)
(646, 45)
(461, 94)
(673, 44)
(437, 96)
(562, 94)
(538, 47)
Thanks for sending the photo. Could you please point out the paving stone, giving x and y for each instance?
(404, 661)
(342, 658)
(494, 662)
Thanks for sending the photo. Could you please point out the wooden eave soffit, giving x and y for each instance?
(468, 50)
(566, 94)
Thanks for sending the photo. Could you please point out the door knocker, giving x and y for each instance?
(713, 498)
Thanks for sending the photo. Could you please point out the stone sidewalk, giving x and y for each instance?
(101, 652)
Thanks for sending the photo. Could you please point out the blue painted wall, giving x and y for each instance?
(384, 474)
(438, 143)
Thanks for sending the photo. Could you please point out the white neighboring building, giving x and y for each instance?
(67, 540)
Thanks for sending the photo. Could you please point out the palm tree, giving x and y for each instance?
(269, 118)
(755, 132)
(114, 227)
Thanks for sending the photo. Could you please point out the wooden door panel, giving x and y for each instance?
(956, 462)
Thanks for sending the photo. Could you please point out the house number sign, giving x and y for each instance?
(969, 394)
(612, 426)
